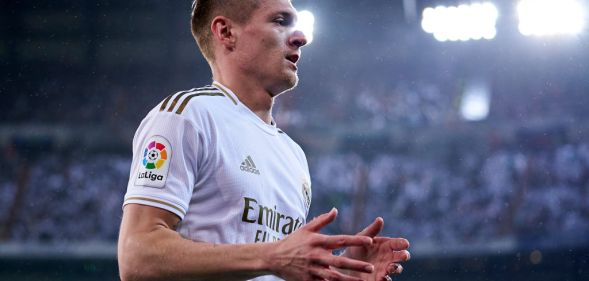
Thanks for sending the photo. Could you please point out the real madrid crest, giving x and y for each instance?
(306, 190)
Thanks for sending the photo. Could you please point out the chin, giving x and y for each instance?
(289, 82)
(293, 81)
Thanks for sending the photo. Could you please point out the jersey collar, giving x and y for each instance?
(226, 91)
(268, 128)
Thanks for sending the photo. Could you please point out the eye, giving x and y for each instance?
(283, 21)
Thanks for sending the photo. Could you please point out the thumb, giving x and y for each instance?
(321, 221)
(373, 229)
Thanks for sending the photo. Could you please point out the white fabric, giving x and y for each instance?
(231, 177)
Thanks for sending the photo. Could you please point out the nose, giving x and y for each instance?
(297, 39)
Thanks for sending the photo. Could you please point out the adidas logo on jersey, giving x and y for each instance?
(248, 166)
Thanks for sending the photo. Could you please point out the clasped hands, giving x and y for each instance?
(307, 255)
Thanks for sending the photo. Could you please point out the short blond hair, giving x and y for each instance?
(203, 13)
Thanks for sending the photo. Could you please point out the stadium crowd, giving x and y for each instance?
(66, 199)
(524, 196)
(527, 195)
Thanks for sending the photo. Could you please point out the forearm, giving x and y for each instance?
(162, 254)
(150, 249)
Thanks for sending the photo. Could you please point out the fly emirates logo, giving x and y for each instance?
(281, 224)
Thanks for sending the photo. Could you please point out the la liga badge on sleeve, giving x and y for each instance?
(154, 162)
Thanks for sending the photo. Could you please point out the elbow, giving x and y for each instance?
(129, 272)
(135, 275)
(136, 264)
(127, 275)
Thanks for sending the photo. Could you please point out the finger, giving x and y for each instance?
(329, 274)
(341, 241)
(346, 264)
(373, 229)
(402, 256)
(321, 221)
(395, 268)
(395, 244)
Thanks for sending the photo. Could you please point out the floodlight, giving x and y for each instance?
(305, 23)
(464, 22)
(475, 101)
(550, 17)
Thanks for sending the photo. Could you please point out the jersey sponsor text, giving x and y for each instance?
(256, 213)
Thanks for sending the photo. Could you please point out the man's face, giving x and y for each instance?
(268, 46)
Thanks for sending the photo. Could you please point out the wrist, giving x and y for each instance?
(267, 258)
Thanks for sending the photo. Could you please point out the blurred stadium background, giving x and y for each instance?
(475, 150)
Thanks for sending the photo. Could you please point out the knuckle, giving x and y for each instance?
(317, 239)
(312, 274)
(314, 255)
(318, 256)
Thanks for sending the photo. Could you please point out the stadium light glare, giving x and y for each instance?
(461, 23)
(550, 17)
(306, 24)
(475, 102)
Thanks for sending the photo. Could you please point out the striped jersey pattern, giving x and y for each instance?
(178, 101)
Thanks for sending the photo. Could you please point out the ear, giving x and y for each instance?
(223, 32)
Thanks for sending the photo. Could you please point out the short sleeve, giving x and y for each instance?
(166, 153)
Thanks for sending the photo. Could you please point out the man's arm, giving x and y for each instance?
(150, 249)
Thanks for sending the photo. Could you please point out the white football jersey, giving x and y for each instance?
(232, 178)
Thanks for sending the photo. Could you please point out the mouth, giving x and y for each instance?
(293, 58)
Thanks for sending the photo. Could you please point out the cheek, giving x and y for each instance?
(272, 40)
(261, 48)
(266, 47)
(270, 50)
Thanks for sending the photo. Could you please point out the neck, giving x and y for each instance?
(249, 92)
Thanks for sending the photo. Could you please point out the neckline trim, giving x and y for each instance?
(271, 128)
(226, 92)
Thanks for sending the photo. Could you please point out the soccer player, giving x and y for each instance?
(216, 190)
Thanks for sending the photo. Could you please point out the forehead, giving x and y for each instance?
(268, 7)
